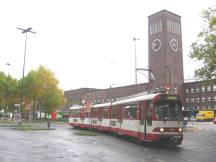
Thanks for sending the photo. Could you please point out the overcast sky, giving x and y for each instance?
(88, 43)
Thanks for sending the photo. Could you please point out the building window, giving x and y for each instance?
(198, 107)
(209, 106)
(155, 27)
(192, 90)
(192, 99)
(209, 88)
(173, 27)
(209, 98)
(197, 89)
(187, 90)
(203, 99)
(214, 98)
(215, 107)
(175, 90)
(198, 99)
(192, 107)
(203, 88)
(214, 87)
(187, 100)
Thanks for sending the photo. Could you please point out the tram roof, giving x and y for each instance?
(133, 99)
(129, 99)
(136, 99)
(102, 105)
(75, 107)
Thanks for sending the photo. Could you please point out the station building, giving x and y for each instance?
(166, 62)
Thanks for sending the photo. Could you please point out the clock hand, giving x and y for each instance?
(173, 45)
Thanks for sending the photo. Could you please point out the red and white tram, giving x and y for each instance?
(148, 117)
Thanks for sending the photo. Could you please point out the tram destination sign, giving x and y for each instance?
(170, 98)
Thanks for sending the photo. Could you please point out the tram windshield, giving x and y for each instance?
(75, 113)
(168, 111)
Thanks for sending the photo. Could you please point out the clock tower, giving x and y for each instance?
(165, 51)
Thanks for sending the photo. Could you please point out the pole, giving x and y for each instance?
(135, 62)
(8, 64)
(24, 31)
(135, 57)
(23, 74)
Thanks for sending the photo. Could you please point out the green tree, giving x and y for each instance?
(12, 93)
(204, 49)
(52, 99)
(3, 90)
(41, 90)
(8, 92)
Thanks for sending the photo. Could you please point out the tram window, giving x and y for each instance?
(130, 111)
(95, 114)
(105, 113)
(142, 115)
(87, 115)
(75, 113)
(114, 112)
(149, 114)
(168, 111)
(99, 115)
(125, 113)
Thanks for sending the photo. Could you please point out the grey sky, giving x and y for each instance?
(88, 43)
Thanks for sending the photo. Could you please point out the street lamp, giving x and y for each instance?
(8, 64)
(24, 31)
(135, 39)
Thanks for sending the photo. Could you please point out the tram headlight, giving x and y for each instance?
(180, 129)
(161, 129)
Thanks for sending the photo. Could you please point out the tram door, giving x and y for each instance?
(146, 116)
(100, 116)
(82, 115)
(119, 116)
(143, 119)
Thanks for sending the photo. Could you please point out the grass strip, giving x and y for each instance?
(29, 127)
(87, 133)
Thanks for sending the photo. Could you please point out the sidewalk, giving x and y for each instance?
(200, 126)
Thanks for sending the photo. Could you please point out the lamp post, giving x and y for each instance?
(8, 64)
(24, 31)
(135, 39)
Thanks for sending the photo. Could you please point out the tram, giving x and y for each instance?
(147, 117)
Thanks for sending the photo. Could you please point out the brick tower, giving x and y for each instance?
(165, 51)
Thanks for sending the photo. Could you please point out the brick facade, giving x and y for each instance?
(80, 96)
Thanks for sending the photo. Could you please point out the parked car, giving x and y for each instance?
(214, 120)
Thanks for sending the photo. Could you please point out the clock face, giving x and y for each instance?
(174, 45)
(156, 45)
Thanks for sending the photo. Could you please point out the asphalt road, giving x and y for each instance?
(62, 145)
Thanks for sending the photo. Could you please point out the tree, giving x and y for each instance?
(52, 99)
(8, 92)
(41, 88)
(204, 49)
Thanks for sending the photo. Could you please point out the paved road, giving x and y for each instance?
(62, 145)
